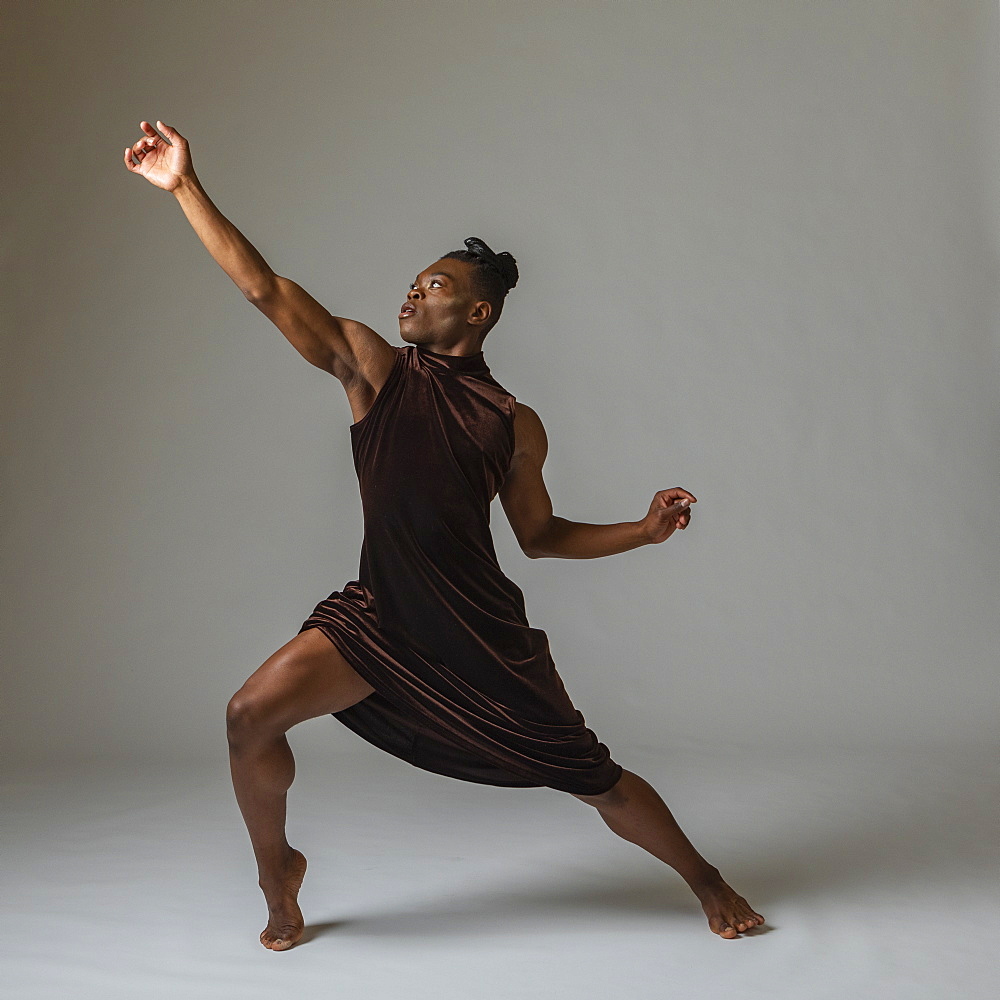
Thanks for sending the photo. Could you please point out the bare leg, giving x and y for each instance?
(304, 679)
(634, 810)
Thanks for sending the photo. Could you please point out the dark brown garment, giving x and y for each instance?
(464, 686)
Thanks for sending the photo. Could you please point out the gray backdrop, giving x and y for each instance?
(758, 246)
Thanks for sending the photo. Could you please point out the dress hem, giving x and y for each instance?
(412, 756)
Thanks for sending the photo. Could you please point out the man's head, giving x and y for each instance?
(459, 298)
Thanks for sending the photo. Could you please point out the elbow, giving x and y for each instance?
(530, 549)
(261, 289)
(534, 550)
(535, 547)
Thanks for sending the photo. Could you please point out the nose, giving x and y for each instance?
(413, 293)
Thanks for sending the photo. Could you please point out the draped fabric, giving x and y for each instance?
(464, 686)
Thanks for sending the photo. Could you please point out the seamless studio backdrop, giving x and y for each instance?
(758, 245)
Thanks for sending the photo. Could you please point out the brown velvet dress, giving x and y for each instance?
(464, 686)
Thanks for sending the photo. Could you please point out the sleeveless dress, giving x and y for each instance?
(464, 686)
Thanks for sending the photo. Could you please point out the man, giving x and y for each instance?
(428, 654)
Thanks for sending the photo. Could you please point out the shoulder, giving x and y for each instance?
(524, 413)
(374, 368)
(375, 360)
(529, 433)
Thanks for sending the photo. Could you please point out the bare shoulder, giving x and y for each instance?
(374, 358)
(349, 350)
(371, 354)
(529, 434)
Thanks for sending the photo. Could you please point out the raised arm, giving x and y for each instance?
(540, 533)
(347, 349)
(351, 351)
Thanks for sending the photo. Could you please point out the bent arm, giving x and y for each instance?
(526, 502)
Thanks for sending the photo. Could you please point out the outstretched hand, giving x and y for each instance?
(669, 511)
(163, 163)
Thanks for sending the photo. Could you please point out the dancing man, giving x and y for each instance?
(428, 654)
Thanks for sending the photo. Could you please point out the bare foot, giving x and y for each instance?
(729, 914)
(285, 923)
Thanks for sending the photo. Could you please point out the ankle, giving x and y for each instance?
(271, 869)
(704, 877)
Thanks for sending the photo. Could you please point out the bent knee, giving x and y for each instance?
(248, 715)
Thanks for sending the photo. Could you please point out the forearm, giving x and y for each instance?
(575, 540)
(232, 251)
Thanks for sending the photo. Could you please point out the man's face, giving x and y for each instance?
(443, 306)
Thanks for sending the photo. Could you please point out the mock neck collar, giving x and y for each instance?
(467, 363)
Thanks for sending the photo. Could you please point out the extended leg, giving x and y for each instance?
(304, 679)
(634, 810)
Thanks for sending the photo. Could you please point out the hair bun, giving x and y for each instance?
(503, 262)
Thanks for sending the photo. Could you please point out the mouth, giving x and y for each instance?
(406, 311)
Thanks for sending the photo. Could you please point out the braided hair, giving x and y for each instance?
(493, 275)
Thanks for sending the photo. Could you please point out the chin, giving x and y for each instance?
(416, 337)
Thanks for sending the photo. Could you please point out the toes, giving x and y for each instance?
(277, 942)
(734, 926)
(721, 927)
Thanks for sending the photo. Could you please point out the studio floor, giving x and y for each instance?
(876, 871)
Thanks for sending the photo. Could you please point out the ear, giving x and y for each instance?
(480, 314)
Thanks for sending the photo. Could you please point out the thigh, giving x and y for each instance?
(305, 678)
